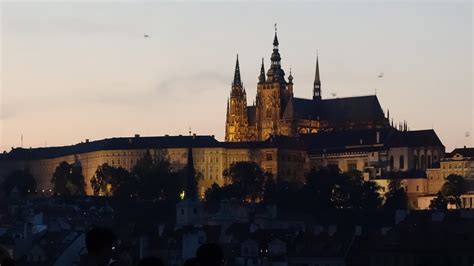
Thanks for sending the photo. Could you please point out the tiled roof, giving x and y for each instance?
(415, 138)
(353, 109)
(465, 152)
(366, 139)
(344, 140)
(114, 144)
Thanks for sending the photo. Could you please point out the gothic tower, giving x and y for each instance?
(273, 94)
(237, 120)
(317, 82)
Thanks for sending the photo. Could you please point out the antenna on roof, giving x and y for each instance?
(21, 140)
(190, 132)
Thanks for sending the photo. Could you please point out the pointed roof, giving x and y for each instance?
(261, 78)
(237, 81)
(191, 183)
(275, 39)
(276, 73)
(317, 80)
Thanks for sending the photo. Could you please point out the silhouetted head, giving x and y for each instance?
(100, 242)
(191, 262)
(7, 262)
(5, 258)
(210, 254)
(151, 261)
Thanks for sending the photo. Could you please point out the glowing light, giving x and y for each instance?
(182, 194)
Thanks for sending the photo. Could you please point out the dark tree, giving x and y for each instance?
(68, 180)
(155, 179)
(270, 190)
(76, 184)
(60, 178)
(454, 187)
(216, 194)
(112, 181)
(396, 197)
(439, 202)
(20, 180)
(370, 196)
(320, 184)
(248, 178)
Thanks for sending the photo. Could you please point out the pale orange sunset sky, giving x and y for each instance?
(77, 70)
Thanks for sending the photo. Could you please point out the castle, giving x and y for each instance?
(351, 133)
(277, 112)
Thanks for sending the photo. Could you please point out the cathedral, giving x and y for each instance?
(277, 112)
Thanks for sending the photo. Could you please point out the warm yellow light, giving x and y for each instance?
(182, 194)
(109, 188)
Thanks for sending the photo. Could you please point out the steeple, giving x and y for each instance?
(275, 73)
(191, 183)
(237, 81)
(317, 82)
(290, 78)
(261, 78)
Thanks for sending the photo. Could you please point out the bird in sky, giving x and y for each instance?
(380, 75)
(146, 36)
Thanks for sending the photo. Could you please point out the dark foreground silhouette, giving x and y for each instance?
(100, 245)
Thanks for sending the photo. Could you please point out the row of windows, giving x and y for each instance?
(112, 162)
(401, 162)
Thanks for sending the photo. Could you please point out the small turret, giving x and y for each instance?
(261, 78)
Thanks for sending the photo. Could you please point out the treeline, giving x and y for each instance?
(324, 188)
(152, 178)
(450, 193)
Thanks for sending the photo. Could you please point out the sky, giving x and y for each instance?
(72, 71)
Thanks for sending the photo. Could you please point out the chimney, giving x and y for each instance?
(378, 137)
(137, 135)
(87, 140)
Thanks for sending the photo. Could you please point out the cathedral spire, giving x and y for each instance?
(317, 82)
(237, 81)
(275, 73)
(275, 39)
(261, 78)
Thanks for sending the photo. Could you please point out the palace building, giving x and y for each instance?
(277, 112)
(287, 136)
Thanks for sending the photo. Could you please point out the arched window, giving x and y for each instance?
(423, 162)
(391, 163)
(269, 113)
(429, 161)
(401, 163)
(415, 161)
